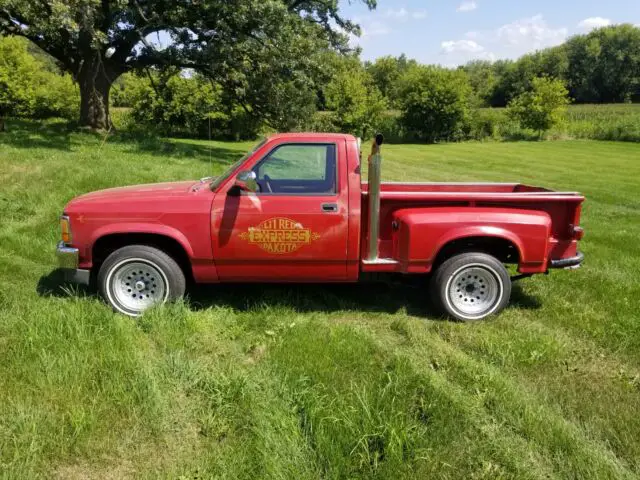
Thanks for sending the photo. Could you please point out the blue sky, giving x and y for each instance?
(452, 32)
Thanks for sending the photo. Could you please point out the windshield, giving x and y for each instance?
(223, 178)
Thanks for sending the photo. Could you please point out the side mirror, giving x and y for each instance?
(246, 181)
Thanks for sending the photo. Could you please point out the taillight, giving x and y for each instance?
(578, 233)
(65, 229)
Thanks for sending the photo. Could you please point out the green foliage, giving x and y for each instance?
(127, 88)
(187, 107)
(253, 49)
(434, 102)
(17, 70)
(605, 65)
(543, 107)
(619, 122)
(599, 67)
(486, 124)
(356, 104)
(29, 87)
(386, 73)
(482, 78)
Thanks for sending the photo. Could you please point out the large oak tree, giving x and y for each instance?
(230, 41)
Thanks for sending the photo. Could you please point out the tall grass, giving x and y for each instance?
(619, 122)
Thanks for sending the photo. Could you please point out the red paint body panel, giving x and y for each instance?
(232, 237)
(242, 255)
(176, 210)
(423, 232)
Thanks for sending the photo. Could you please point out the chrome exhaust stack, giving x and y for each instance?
(375, 163)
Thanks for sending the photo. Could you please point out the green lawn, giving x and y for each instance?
(302, 382)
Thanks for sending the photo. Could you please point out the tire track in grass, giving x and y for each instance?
(579, 376)
(452, 417)
(545, 429)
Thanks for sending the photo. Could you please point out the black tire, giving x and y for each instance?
(137, 265)
(482, 288)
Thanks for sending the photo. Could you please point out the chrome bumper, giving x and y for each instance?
(68, 261)
(570, 263)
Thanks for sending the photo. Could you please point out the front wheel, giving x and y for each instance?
(136, 277)
(471, 286)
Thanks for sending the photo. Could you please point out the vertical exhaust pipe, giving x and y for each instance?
(375, 161)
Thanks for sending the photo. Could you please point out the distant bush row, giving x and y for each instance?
(616, 122)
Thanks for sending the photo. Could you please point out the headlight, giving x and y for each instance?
(65, 229)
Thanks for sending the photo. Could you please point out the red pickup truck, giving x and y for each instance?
(294, 209)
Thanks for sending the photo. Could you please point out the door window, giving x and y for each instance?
(298, 169)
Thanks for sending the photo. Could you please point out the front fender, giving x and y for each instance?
(145, 228)
(421, 233)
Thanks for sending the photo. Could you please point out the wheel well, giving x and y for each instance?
(501, 248)
(108, 244)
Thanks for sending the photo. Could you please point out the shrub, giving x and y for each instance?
(29, 89)
(393, 130)
(189, 107)
(323, 122)
(541, 108)
(56, 96)
(485, 123)
(434, 103)
(356, 103)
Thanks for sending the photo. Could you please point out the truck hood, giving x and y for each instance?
(153, 190)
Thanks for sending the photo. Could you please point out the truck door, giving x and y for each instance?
(295, 227)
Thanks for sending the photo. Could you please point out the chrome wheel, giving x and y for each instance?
(474, 291)
(134, 285)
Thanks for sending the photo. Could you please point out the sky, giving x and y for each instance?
(453, 32)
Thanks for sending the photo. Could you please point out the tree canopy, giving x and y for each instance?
(99, 40)
(541, 108)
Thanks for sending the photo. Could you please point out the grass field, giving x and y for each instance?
(303, 382)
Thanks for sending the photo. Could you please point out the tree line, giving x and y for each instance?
(600, 67)
(290, 70)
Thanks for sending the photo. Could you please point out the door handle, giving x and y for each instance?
(329, 207)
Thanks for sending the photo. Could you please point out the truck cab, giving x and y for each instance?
(296, 209)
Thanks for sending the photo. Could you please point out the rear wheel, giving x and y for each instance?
(471, 286)
(136, 277)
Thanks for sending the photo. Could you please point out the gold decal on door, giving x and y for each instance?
(279, 236)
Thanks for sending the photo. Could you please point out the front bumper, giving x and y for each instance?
(573, 262)
(68, 259)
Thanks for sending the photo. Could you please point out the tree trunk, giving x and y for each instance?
(95, 80)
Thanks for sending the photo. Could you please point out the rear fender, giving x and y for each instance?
(421, 233)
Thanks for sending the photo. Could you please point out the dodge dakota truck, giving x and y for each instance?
(295, 209)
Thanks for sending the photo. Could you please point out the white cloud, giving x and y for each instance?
(400, 13)
(531, 34)
(374, 29)
(459, 52)
(467, 6)
(594, 22)
(508, 41)
(466, 46)
(403, 14)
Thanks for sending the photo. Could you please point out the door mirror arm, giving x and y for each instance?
(246, 181)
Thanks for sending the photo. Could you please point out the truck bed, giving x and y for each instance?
(562, 207)
(400, 188)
